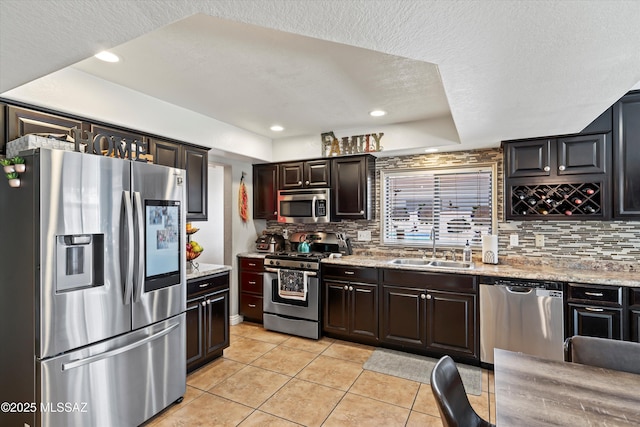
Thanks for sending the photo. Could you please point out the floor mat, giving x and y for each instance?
(418, 368)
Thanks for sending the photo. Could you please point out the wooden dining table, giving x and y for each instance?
(531, 391)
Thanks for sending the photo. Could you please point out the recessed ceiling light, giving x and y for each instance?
(430, 150)
(107, 56)
(277, 128)
(377, 113)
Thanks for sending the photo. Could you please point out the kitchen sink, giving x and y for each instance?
(432, 263)
(410, 261)
(451, 264)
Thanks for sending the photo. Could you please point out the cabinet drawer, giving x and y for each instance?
(425, 280)
(359, 274)
(591, 293)
(634, 296)
(251, 282)
(253, 264)
(251, 306)
(207, 284)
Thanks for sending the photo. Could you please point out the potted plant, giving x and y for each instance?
(14, 181)
(18, 164)
(7, 165)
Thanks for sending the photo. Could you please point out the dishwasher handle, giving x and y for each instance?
(522, 290)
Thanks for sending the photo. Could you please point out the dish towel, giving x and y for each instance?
(292, 284)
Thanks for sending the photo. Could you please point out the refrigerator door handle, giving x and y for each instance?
(128, 278)
(139, 273)
(116, 351)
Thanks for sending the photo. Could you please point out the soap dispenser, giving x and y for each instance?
(466, 253)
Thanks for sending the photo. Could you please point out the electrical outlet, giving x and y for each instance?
(539, 240)
(513, 239)
(364, 236)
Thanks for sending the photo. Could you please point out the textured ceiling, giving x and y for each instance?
(509, 69)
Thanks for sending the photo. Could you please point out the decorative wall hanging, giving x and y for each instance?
(356, 144)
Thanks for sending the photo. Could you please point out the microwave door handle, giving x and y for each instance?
(139, 273)
(313, 208)
(129, 248)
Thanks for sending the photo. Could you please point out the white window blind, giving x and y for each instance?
(457, 204)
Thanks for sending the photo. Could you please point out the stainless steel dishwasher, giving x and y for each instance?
(521, 315)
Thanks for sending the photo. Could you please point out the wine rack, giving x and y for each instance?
(581, 200)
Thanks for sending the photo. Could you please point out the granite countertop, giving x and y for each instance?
(253, 254)
(534, 272)
(206, 270)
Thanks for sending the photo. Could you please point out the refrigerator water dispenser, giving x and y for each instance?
(79, 261)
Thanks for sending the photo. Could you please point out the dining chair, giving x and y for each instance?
(604, 353)
(453, 404)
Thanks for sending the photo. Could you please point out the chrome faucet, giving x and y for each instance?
(433, 242)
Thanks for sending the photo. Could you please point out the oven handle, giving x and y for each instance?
(276, 270)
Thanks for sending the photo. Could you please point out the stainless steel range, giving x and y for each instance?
(292, 295)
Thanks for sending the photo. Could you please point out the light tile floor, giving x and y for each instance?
(271, 379)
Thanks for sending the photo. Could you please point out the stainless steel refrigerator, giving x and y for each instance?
(92, 291)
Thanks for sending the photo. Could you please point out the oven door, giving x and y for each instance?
(308, 309)
(304, 206)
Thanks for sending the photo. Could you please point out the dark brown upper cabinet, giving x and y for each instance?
(165, 152)
(353, 187)
(571, 155)
(265, 191)
(196, 163)
(305, 174)
(626, 157)
(23, 121)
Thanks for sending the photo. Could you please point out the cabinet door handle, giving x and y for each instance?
(561, 167)
(204, 285)
(594, 309)
(275, 212)
(306, 183)
(252, 305)
(208, 301)
(299, 182)
(423, 296)
(346, 288)
(203, 303)
(594, 294)
(547, 168)
(350, 288)
(361, 212)
(351, 273)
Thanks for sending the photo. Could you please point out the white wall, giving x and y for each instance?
(211, 233)
(78, 93)
(397, 139)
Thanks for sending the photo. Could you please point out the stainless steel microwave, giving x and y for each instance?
(304, 206)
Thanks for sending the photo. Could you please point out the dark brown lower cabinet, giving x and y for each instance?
(404, 316)
(634, 314)
(595, 321)
(430, 313)
(207, 319)
(451, 319)
(424, 319)
(351, 310)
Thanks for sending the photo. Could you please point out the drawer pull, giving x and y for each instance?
(351, 273)
(252, 305)
(594, 309)
(252, 282)
(252, 264)
(594, 294)
(350, 288)
(204, 285)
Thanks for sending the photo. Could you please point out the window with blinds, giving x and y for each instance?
(455, 204)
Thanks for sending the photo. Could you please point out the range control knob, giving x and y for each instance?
(302, 265)
(271, 261)
(277, 262)
(308, 265)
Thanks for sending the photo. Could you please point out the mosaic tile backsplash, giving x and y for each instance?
(609, 245)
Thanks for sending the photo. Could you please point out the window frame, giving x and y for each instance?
(480, 167)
